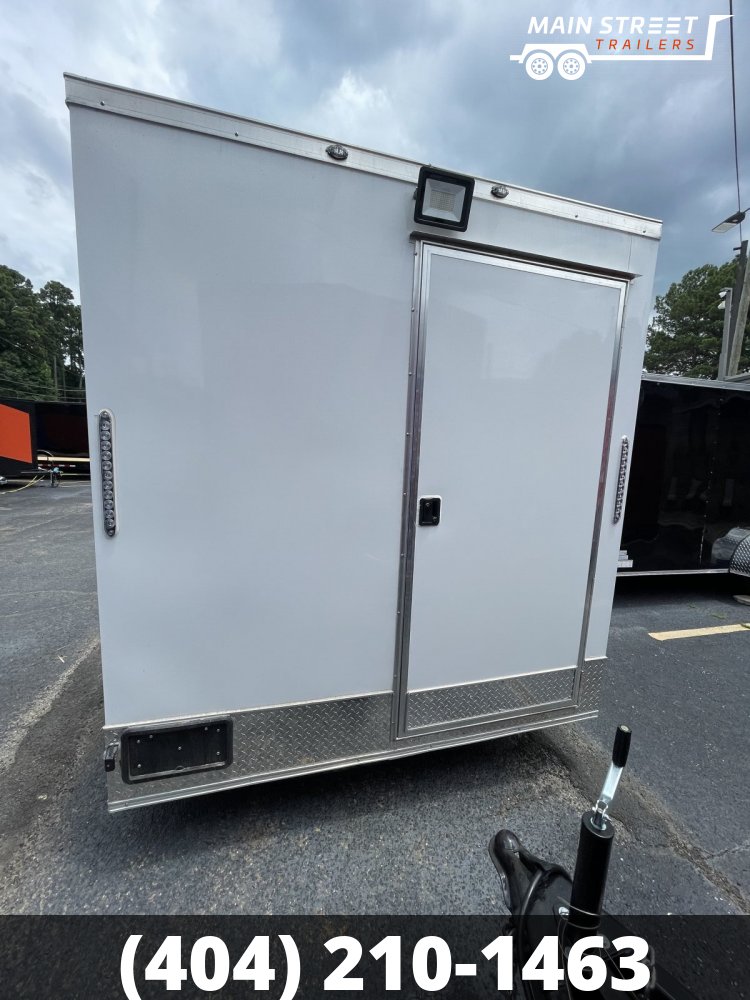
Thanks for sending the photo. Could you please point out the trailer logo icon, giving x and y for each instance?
(614, 39)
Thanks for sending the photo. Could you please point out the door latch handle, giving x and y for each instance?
(429, 511)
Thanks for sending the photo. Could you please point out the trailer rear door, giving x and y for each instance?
(514, 369)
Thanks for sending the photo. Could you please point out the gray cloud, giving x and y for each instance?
(28, 135)
(426, 78)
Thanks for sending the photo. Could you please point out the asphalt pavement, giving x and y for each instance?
(48, 610)
(405, 836)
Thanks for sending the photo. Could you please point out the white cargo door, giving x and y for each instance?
(514, 371)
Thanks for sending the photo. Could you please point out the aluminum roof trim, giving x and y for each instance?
(113, 99)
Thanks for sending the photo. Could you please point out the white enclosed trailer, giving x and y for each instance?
(286, 373)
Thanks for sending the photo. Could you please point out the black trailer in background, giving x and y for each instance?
(62, 438)
(688, 500)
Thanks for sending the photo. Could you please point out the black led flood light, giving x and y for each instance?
(443, 199)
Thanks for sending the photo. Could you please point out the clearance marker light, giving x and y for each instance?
(106, 463)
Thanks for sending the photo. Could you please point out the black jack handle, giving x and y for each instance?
(595, 844)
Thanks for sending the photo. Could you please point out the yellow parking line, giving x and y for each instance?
(690, 633)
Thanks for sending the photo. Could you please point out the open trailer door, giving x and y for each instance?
(514, 380)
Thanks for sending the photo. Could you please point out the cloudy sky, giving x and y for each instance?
(428, 79)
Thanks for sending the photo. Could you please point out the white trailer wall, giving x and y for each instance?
(258, 342)
(248, 308)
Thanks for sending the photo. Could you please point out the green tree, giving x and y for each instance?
(41, 348)
(684, 337)
(64, 339)
(24, 350)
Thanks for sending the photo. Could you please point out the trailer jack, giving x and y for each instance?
(545, 901)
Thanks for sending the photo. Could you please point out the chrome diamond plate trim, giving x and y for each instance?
(268, 740)
(487, 698)
(590, 685)
(273, 743)
(740, 563)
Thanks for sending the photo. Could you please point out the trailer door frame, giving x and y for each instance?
(526, 692)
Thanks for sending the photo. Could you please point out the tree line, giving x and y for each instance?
(41, 346)
(684, 337)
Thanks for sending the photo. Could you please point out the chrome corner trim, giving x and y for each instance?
(622, 475)
(602, 488)
(589, 679)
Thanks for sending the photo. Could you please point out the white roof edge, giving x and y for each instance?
(131, 103)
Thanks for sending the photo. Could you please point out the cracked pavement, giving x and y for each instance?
(406, 836)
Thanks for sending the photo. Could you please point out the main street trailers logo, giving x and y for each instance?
(613, 38)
